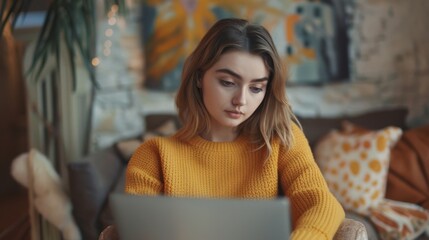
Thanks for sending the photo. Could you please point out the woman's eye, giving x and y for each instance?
(256, 89)
(226, 83)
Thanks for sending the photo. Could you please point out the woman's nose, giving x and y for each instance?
(239, 98)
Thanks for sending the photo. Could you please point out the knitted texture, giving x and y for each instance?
(201, 168)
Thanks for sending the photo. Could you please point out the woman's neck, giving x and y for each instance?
(220, 136)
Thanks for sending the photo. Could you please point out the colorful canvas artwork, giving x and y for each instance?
(172, 29)
(317, 45)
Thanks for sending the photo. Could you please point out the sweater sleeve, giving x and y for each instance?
(144, 173)
(316, 213)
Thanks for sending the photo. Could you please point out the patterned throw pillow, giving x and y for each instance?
(400, 220)
(355, 165)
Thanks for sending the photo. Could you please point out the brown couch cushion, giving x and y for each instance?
(408, 178)
(317, 127)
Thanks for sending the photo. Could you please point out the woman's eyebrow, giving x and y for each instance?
(238, 76)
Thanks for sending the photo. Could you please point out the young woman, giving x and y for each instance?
(239, 137)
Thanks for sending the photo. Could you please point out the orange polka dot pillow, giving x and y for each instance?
(355, 165)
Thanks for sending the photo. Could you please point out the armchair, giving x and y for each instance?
(102, 173)
(97, 175)
(348, 230)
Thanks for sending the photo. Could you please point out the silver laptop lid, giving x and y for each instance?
(172, 218)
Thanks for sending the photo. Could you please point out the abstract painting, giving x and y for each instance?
(317, 43)
(171, 29)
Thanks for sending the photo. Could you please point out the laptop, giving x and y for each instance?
(179, 218)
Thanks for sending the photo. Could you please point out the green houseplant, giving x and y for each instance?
(72, 20)
(68, 32)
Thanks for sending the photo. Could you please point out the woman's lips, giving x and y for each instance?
(234, 114)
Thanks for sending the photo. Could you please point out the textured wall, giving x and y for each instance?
(389, 63)
(389, 66)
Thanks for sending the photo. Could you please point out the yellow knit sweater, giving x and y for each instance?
(200, 168)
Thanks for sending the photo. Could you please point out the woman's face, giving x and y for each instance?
(233, 88)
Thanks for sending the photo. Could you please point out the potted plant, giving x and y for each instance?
(68, 31)
(66, 39)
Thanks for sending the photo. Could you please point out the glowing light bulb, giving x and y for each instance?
(95, 61)
(108, 32)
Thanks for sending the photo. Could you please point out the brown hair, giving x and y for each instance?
(272, 118)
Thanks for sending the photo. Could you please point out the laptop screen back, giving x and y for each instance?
(172, 218)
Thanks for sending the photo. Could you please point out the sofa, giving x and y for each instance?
(93, 178)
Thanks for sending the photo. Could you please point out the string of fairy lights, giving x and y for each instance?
(112, 20)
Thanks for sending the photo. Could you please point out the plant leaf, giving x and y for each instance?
(41, 47)
(69, 41)
(2, 9)
(45, 43)
(71, 21)
(23, 7)
(9, 14)
(42, 62)
(46, 25)
(85, 57)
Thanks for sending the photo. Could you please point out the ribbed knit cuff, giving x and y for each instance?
(308, 233)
